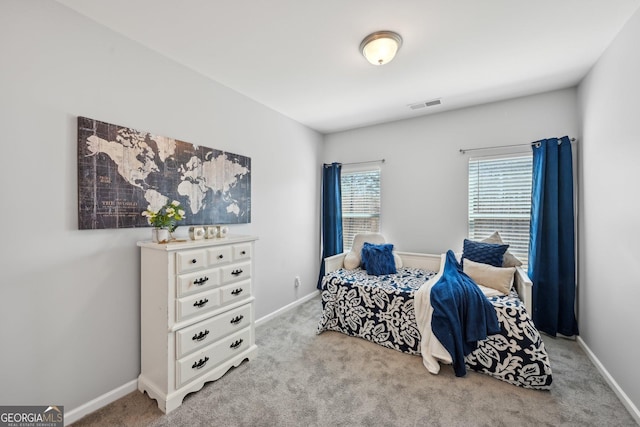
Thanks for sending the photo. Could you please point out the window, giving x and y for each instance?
(500, 200)
(360, 203)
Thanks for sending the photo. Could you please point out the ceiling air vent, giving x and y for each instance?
(420, 105)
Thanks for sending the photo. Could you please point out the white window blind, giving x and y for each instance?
(500, 200)
(360, 203)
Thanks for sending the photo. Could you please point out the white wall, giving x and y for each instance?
(69, 298)
(609, 103)
(424, 177)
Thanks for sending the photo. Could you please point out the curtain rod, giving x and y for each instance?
(464, 150)
(361, 163)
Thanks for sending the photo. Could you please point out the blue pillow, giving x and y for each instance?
(485, 253)
(378, 259)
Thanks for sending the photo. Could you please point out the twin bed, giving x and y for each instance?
(395, 311)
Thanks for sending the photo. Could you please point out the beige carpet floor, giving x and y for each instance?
(299, 378)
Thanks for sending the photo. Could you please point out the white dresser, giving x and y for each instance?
(197, 318)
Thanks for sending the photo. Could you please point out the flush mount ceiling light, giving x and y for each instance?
(380, 47)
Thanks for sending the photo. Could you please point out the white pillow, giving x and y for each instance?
(489, 292)
(509, 260)
(352, 261)
(398, 260)
(498, 278)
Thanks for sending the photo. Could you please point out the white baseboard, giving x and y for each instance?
(99, 402)
(633, 409)
(286, 308)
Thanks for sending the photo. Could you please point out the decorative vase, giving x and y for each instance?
(196, 232)
(211, 231)
(160, 235)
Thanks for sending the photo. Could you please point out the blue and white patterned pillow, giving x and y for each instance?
(485, 253)
(378, 259)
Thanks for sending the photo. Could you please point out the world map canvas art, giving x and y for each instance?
(122, 172)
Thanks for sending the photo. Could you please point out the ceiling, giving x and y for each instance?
(301, 58)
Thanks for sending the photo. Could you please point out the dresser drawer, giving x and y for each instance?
(191, 260)
(241, 252)
(208, 331)
(209, 357)
(219, 255)
(235, 291)
(197, 304)
(235, 272)
(197, 282)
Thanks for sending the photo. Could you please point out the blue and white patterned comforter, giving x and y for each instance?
(376, 308)
(517, 354)
(381, 309)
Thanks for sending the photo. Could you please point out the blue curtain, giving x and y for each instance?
(551, 239)
(331, 214)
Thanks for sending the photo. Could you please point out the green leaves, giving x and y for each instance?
(167, 217)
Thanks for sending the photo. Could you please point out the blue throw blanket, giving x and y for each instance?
(462, 315)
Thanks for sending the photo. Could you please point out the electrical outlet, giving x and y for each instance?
(296, 282)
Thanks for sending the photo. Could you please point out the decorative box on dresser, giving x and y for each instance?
(197, 314)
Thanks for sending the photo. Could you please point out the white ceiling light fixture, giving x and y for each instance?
(381, 47)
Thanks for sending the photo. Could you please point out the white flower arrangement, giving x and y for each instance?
(166, 217)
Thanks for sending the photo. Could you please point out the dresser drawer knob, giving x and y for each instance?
(236, 344)
(201, 335)
(201, 281)
(243, 253)
(200, 363)
(193, 261)
(236, 292)
(237, 272)
(201, 303)
(220, 256)
(237, 320)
